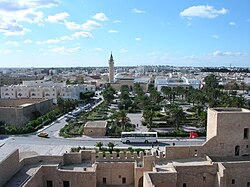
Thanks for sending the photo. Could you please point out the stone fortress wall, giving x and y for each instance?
(20, 111)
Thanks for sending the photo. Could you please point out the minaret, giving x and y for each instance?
(111, 69)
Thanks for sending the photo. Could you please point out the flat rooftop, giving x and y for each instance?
(4, 103)
(84, 166)
(241, 158)
(193, 161)
(230, 110)
(96, 124)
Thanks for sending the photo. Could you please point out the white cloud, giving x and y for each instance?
(138, 39)
(12, 43)
(203, 11)
(58, 18)
(135, 10)
(98, 49)
(64, 50)
(100, 16)
(227, 53)
(72, 25)
(11, 28)
(63, 38)
(232, 23)
(189, 24)
(117, 21)
(112, 31)
(51, 41)
(13, 12)
(28, 41)
(122, 50)
(82, 34)
(90, 25)
(215, 36)
(76, 35)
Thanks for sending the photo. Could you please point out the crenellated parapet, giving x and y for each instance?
(119, 157)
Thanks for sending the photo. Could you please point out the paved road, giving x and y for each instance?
(56, 146)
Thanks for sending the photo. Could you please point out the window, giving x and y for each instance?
(123, 180)
(65, 183)
(248, 184)
(49, 183)
(246, 132)
(184, 185)
(237, 150)
(104, 180)
(233, 181)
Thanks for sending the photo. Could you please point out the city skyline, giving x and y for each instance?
(55, 33)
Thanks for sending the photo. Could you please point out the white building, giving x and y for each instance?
(176, 82)
(73, 91)
(8, 92)
(44, 89)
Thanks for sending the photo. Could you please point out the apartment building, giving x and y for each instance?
(40, 89)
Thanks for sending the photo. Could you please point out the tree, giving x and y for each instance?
(60, 104)
(148, 116)
(176, 114)
(138, 89)
(155, 96)
(122, 116)
(99, 145)
(111, 146)
(108, 94)
(210, 82)
(167, 91)
(86, 95)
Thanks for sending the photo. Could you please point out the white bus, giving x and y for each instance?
(146, 137)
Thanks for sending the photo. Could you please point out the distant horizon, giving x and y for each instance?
(59, 33)
(245, 67)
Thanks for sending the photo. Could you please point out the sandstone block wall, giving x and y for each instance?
(57, 177)
(12, 113)
(9, 166)
(161, 179)
(196, 175)
(114, 172)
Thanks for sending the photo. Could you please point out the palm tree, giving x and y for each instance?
(148, 115)
(108, 94)
(166, 91)
(111, 146)
(99, 145)
(176, 115)
(122, 116)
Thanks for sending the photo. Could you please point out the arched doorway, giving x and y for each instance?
(237, 150)
(140, 183)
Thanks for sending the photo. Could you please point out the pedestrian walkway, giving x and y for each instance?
(136, 119)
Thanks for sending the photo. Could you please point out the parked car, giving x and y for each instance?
(43, 134)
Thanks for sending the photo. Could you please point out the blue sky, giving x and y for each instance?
(63, 33)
